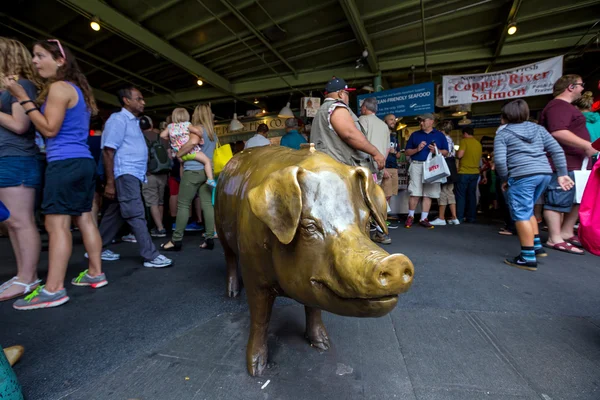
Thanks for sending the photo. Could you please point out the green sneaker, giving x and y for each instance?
(40, 298)
(95, 282)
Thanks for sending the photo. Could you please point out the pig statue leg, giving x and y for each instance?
(233, 284)
(315, 330)
(261, 303)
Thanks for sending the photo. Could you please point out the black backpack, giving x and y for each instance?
(158, 158)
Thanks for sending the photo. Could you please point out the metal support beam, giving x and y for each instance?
(139, 35)
(358, 27)
(107, 98)
(512, 16)
(256, 33)
(152, 11)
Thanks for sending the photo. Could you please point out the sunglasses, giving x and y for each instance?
(62, 51)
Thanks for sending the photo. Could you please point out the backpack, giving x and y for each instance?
(158, 158)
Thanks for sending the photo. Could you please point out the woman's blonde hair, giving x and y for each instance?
(585, 102)
(15, 59)
(180, 115)
(203, 116)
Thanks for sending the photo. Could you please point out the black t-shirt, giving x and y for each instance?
(12, 144)
(392, 161)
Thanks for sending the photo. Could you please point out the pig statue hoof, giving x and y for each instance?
(320, 340)
(233, 288)
(257, 363)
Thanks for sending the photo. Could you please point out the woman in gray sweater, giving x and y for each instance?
(522, 165)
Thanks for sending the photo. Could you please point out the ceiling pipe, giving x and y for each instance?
(423, 33)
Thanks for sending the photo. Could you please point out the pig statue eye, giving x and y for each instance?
(309, 226)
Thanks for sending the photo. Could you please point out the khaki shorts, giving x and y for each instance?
(447, 195)
(154, 190)
(416, 187)
(390, 185)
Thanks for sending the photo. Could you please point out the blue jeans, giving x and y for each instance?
(466, 197)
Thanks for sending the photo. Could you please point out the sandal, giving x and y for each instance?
(564, 247)
(574, 240)
(209, 244)
(505, 232)
(28, 287)
(175, 246)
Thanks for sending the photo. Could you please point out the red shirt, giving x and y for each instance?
(560, 115)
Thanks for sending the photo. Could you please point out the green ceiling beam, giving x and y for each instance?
(152, 11)
(256, 33)
(140, 35)
(107, 98)
(556, 11)
(542, 45)
(358, 27)
(511, 18)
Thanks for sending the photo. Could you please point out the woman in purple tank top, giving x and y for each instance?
(66, 105)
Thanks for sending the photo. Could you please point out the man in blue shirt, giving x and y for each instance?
(292, 139)
(418, 147)
(125, 156)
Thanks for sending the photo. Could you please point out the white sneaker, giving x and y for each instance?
(159, 262)
(107, 255)
(438, 222)
(454, 222)
(129, 238)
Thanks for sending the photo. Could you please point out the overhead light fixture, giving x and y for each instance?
(264, 111)
(401, 126)
(286, 112)
(235, 125)
(368, 88)
(255, 101)
(464, 121)
(199, 82)
(512, 28)
(95, 24)
(461, 110)
(459, 113)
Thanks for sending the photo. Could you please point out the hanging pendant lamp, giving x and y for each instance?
(235, 125)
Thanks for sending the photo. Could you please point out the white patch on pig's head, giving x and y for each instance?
(326, 196)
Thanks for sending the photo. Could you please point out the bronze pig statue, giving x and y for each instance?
(298, 222)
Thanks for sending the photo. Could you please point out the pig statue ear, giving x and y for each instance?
(277, 202)
(374, 197)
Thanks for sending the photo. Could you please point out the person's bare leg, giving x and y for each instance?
(553, 219)
(412, 203)
(537, 211)
(173, 205)
(525, 232)
(568, 224)
(442, 212)
(59, 250)
(91, 241)
(24, 236)
(156, 217)
(426, 204)
(453, 211)
(96, 207)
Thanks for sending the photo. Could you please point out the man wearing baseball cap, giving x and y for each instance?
(418, 147)
(337, 132)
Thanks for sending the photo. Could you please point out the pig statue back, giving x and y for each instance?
(297, 221)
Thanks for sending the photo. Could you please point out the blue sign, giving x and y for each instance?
(405, 101)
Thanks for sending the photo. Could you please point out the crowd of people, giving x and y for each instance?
(47, 95)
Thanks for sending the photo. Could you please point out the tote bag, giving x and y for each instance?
(221, 157)
(589, 213)
(581, 179)
(435, 169)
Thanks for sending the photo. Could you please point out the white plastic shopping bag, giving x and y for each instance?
(435, 169)
(581, 179)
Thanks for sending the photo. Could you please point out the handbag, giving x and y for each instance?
(581, 179)
(435, 169)
(589, 213)
(221, 157)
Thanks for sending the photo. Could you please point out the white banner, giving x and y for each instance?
(529, 80)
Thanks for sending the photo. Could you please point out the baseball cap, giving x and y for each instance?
(426, 116)
(145, 123)
(337, 84)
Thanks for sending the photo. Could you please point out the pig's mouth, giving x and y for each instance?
(323, 286)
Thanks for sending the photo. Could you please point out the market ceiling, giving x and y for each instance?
(266, 50)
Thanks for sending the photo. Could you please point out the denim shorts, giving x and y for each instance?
(523, 193)
(20, 170)
(557, 199)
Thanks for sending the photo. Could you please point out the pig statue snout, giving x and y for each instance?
(393, 274)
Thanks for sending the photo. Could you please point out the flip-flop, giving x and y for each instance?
(574, 240)
(564, 247)
(176, 246)
(505, 232)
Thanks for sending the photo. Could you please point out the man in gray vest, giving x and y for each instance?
(337, 132)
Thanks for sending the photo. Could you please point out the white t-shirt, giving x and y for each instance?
(257, 141)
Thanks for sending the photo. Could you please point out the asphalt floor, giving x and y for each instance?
(470, 327)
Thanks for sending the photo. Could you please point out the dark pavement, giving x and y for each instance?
(469, 328)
